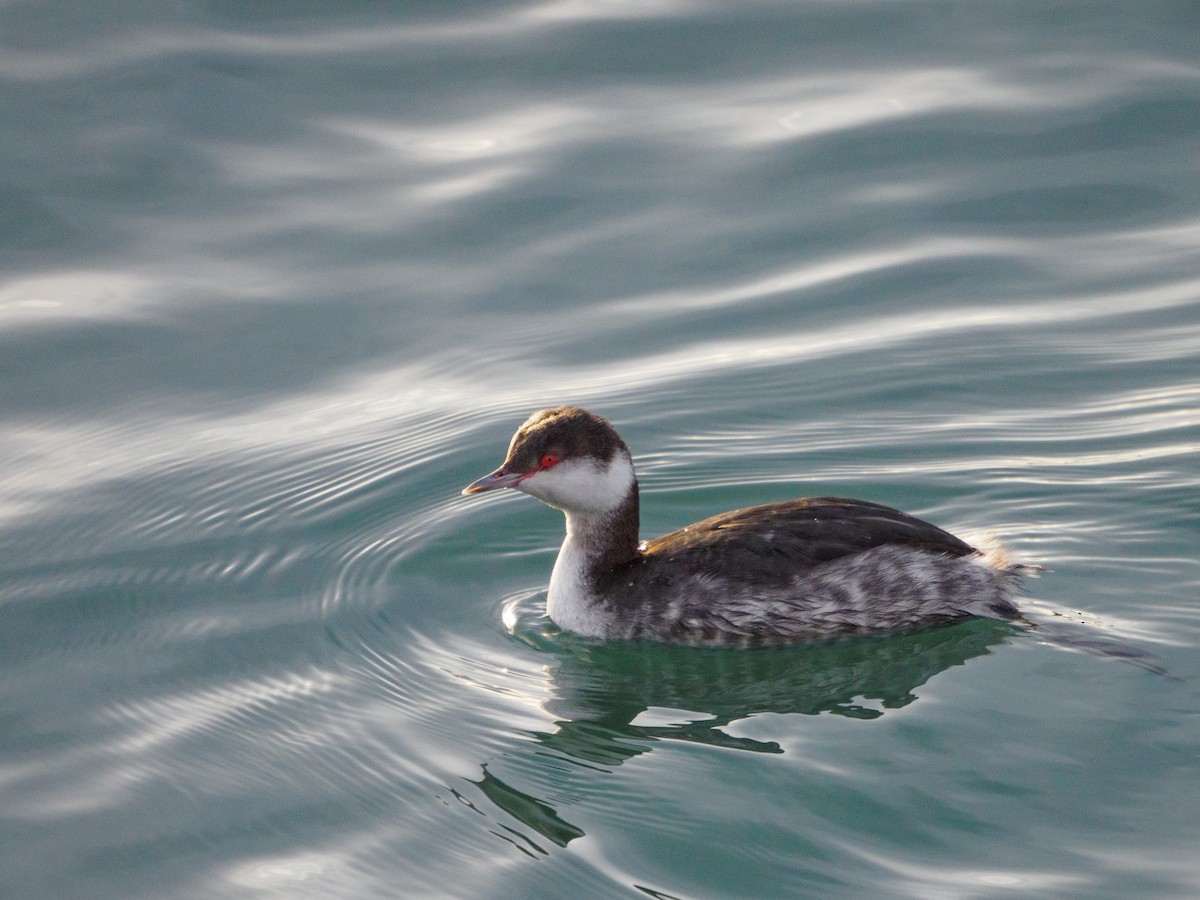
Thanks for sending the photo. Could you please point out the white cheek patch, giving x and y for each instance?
(582, 485)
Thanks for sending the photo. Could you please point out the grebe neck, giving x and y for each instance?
(595, 544)
(605, 539)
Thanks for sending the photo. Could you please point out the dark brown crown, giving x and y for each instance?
(567, 432)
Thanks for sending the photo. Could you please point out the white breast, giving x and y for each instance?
(570, 603)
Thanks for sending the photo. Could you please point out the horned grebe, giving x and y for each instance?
(790, 571)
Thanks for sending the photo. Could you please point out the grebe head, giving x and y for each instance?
(568, 458)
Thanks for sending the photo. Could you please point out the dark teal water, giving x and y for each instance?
(278, 279)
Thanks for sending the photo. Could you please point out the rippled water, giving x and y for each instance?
(279, 279)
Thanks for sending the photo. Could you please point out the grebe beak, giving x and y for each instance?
(494, 482)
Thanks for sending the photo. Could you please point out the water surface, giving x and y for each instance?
(278, 280)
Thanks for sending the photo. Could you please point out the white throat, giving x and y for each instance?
(589, 497)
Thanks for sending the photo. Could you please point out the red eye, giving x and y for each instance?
(549, 460)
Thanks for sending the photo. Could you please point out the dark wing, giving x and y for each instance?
(780, 539)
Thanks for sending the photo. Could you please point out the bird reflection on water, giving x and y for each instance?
(600, 690)
(613, 701)
(598, 693)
